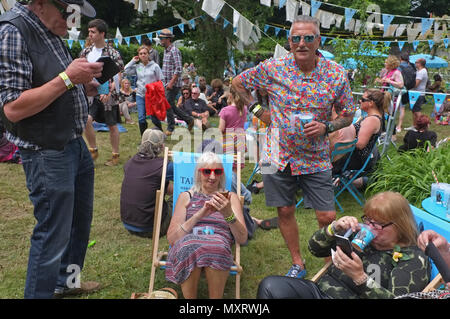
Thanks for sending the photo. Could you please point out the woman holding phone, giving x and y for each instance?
(146, 71)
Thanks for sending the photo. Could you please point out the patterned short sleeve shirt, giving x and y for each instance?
(291, 92)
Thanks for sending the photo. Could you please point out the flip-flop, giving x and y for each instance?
(269, 224)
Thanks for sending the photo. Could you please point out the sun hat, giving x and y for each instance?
(86, 8)
(165, 33)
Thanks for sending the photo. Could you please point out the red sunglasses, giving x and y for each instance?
(208, 171)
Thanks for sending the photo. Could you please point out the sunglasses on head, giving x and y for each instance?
(61, 8)
(308, 38)
(363, 99)
(208, 171)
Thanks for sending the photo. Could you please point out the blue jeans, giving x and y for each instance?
(140, 103)
(61, 186)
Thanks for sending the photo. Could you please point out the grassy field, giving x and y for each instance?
(121, 262)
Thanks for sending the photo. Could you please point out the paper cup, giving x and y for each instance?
(305, 117)
(363, 238)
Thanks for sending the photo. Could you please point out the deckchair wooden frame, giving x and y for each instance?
(157, 256)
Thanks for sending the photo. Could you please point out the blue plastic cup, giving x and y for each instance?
(363, 238)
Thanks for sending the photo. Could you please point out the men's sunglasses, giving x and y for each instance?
(208, 171)
(308, 38)
(61, 8)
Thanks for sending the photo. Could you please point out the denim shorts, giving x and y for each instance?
(281, 187)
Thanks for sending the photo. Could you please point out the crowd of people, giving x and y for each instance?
(59, 168)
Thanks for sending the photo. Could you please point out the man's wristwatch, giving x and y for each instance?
(67, 82)
(329, 127)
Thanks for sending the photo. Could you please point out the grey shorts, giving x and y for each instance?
(280, 189)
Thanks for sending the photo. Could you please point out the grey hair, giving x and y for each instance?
(152, 143)
(306, 19)
(206, 159)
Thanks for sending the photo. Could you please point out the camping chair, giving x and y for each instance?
(348, 176)
(386, 137)
(184, 166)
(341, 149)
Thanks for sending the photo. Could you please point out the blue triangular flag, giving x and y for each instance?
(415, 44)
(266, 27)
(158, 32)
(277, 30)
(431, 43)
(439, 99)
(281, 3)
(322, 40)
(82, 42)
(150, 36)
(217, 17)
(181, 26)
(348, 16)
(413, 97)
(138, 38)
(171, 29)
(127, 40)
(192, 23)
(387, 19)
(288, 33)
(445, 42)
(70, 42)
(387, 43)
(374, 43)
(314, 7)
(116, 42)
(426, 24)
(401, 44)
(225, 23)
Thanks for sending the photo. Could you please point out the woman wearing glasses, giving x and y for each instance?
(390, 266)
(204, 223)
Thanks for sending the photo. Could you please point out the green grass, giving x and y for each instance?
(121, 262)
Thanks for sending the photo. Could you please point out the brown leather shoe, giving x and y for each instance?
(114, 160)
(85, 288)
(94, 153)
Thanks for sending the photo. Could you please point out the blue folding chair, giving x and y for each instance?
(348, 176)
(341, 149)
(183, 171)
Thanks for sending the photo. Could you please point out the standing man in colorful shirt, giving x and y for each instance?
(172, 69)
(299, 82)
(44, 108)
(97, 29)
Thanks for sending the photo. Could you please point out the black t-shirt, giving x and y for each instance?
(142, 178)
(414, 139)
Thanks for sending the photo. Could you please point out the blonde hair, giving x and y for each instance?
(142, 47)
(382, 99)
(392, 61)
(129, 88)
(206, 159)
(393, 207)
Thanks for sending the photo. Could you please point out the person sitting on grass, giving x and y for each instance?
(417, 138)
(204, 224)
(401, 266)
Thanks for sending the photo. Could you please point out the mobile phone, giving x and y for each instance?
(110, 68)
(345, 244)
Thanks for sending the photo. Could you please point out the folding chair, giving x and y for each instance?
(386, 137)
(348, 176)
(340, 150)
(184, 166)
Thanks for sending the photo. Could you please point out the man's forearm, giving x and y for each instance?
(342, 122)
(243, 93)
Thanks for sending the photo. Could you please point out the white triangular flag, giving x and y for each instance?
(212, 7)
(266, 3)
(413, 30)
(73, 33)
(279, 51)
(291, 10)
(119, 36)
(151, 7)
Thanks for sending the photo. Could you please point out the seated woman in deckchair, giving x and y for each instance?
(202, 229)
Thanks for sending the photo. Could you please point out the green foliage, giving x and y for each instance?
(410, 173)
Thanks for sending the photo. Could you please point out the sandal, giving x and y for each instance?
(269, 224)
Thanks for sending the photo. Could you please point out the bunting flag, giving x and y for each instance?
(415, 44)
(225, 23)
(445, 42)
(291, 10)
(213, 7)
(279, 51)
(181, 26)
(70, 43)
(82, 42)
(266, 27)
(439, 99)
(277, 30)
(192, 23)
(266, 3)
(322, 40)
(387, 19)
(119, 35)
(116, 43)
(150, 36)
(349, 13)
(413, 97)
(314, 7)
(401, 44)
(281, 3)
(430, 44)
(139, 38)
(426, 24)
(127, 40)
